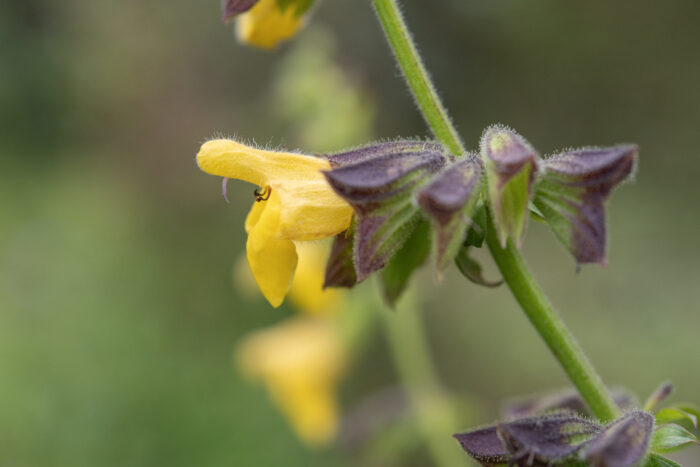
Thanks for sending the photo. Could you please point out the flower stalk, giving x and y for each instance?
(509, 261)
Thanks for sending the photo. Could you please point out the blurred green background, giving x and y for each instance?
(117, 312)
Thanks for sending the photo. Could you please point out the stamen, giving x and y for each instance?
(263, 195)
(224, 184)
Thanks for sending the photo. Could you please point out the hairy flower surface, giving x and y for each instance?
(266, 24)
(300, 361)
(295, 204)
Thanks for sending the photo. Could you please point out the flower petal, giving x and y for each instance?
(311, 210)
(272, 259)
(228, 158)
(266, 25)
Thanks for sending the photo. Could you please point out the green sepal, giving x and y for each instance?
(688, 413)
(657, 460)
(511, 164)
(671, 437)
(396, 274)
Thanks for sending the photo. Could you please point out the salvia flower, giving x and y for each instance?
(294, 203)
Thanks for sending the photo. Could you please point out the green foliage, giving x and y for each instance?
(671, 437)
(679, 413)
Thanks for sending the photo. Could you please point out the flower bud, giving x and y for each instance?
(511, 164)
(450, 200)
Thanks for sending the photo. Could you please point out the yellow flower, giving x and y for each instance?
(295, 204)
(266, 25)
(300, 361)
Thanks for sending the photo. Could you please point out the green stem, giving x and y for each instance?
(411, 355)
(550, 327)
(417, 76)
(509, 261)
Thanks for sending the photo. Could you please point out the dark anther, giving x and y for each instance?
(263, 195)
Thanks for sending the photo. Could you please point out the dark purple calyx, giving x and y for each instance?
(623, 443)
(449, 200)
(572, 191)
(380, 185)
(538, 441)
(340, 269)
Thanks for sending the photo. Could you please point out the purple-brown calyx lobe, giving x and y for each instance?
(232, 8)
(573, 190)
(451, 189)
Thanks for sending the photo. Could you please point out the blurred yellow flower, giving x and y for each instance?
(295, 204)
(265, 25)
(300, 362)
(307, 292)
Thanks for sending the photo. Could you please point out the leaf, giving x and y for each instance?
(340, 269)
(656, 460)
(380, 185)
(623, 443)
(395, 276)
(678, 413)
(510, 164)
(540, 440)
(449, 200)
(671, 437)
(572, 190)
(471, 269)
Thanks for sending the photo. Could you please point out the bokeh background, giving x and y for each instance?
(118, 316)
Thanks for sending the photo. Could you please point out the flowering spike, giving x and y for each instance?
(380, 190)
(572, 191)
(623, 443)
(449, 200)
(511, 164)
(232, 8)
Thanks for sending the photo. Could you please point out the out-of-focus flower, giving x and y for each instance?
(295, 204)
(266, 23)
(300, 362)
(307, 292)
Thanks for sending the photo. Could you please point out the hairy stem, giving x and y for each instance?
(417, 76)
(550, 327)
(517, 276)
(411, 355)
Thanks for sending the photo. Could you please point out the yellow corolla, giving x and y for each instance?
(300, 361)
(295, 204)
(266, 25)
